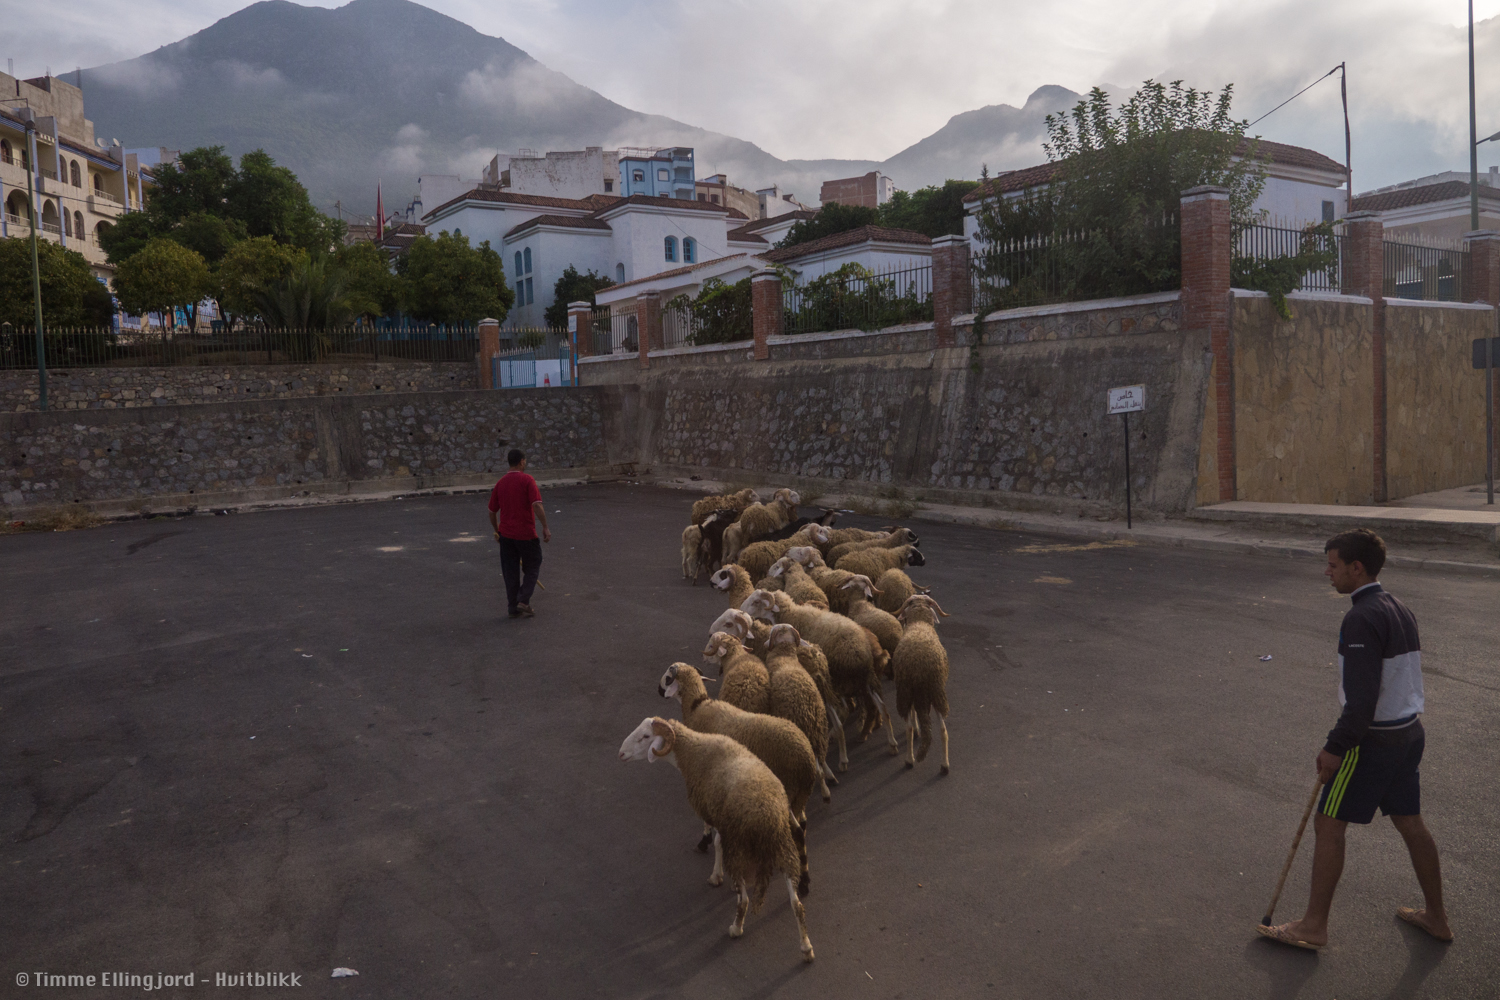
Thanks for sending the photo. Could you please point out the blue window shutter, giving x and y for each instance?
(519, 272)
(528, 260)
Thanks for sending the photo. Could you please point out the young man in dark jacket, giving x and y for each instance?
(1371, 757)
(515, 507)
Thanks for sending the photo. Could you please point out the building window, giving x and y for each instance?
(689, 249)
(715, 199)
(67, 224)
(619, 272)
(99, 184)
(1327, 211)
(609, 186)
(78, 229)
(73, 174)
(639, 176)
(671, 245)
(6, 156)
(519, 272)
(527, 258)
(530, 295)
(663, 174)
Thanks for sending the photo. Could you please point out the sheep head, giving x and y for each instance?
(780, 566)
(806, 556)
(914, 556)
(668, 687)
(760, 604)
(747, 495)
(862, 582)
(734, 621)
(788, 498)
(722, 579)
(652, 739)
(921, 607)
(820, 534)
(783, 635)
(720, 645)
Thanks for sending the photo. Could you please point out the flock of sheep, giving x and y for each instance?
(818, 619)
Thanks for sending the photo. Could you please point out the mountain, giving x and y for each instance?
(388, 89)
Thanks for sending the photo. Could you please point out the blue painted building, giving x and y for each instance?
(660, 173)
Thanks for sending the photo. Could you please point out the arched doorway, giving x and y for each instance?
(50, 220)
(17, 208)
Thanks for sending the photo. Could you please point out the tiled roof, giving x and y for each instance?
(677, 203)
(735, 213)
(494, 195)
(864, 234)
(740, 236)
(570, 221)
(756, 225)
(678, 271)
(1425, 195)
(1265, 149)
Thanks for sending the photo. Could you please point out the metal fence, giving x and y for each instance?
(678, 325)
(615, 333)
(1434, 273)
(866, 301)
(1072, 266)
(547, 366)
(1021, 272)
(1323, 253)
(79, 348)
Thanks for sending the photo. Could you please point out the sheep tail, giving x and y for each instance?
(804, 881)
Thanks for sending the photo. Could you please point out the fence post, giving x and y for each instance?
(1206, 299)
(648, 324)
(1484, 262)
(952, 294)
(581, 328)
(1364, 274)
(765, 310)
(489, 346)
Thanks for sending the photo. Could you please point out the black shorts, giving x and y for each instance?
(1376, 775)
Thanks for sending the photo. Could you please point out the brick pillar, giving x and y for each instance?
(1364, 274)
(648, 324)
(952, 294)
(489, 346)
(1484, 264)
(766, 305)
(581, 328)
(1206, 300)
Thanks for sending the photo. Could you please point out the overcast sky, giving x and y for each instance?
(866, 78)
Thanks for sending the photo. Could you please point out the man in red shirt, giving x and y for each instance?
(515, 507)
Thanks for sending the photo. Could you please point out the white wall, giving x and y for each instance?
(552, 251)
(877, 259)
(640, 233)
(565, 175)
(481, 221)
(1298, 202)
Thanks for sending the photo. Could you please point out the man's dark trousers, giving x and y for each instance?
(518, 556)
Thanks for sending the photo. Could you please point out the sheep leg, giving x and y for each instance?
(943, 725)
(836, 730)
(890, 722)
(823, 777)
(741, 907)
(911, 734)
(708, 838)
(801, 912)
(716, 877)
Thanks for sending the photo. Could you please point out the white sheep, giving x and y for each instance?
(795, 696)
(921, 668)
(743, 681)
(898, 536)
(873, 562)
(758, 520)
(795, 581)
(692, 553)
(734, 792)
(892, 589)
(733, 502)
(757, 557)
(733, 582)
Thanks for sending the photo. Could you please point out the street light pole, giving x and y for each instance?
(36, 270)
(1473, 134)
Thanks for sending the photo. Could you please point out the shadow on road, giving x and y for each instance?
(1288, 969)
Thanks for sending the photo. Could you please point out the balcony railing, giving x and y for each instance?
(97, 193)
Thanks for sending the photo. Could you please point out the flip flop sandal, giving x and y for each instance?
(1281, 935)
(1409, 914)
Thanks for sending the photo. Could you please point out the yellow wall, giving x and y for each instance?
(1304, 394)
(1434, 398)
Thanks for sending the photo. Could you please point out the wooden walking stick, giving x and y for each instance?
(1286, 869)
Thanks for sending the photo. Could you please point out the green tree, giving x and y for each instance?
(127, 235)
(1105, 224)
(721, 312)
(834, 217)
(934, 211)
(373, 289)
(572, 287)
(210, 236)
(270, 201)
(250, 268)
(71, 295)
(162, 276)
(444, 280)
(313, 295)
(201, 184)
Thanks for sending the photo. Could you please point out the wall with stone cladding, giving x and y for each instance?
(1434, 398)
(1304, 400)
(108, 388)
(59, 457)
(1159, 313)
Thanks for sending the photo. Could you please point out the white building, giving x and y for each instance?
(575, 174)
(774, 203)
(1302, 186)
(1435, 207)
(875, 248)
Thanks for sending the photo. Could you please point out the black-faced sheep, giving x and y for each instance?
(734, 792)
(873, 562)
(921, 667)
(743, 681)
(776, 740)
(757, 557)
(900, 536)
(892, 590)
(732, 502)
(733, 582)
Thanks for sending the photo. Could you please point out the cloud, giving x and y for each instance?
(246, 77)
(405, 156)
(144, 76)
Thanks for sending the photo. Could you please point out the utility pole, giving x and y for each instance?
(36, 271)
(1473, 134)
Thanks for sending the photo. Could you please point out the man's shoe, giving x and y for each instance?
(515, 612)
(525, 609)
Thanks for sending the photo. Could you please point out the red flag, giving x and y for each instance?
(379, 213)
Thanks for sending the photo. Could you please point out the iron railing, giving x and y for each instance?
(859, 300)
(1434, 273)
(107, 348)
(615, 333)
(678, 325)
(1318, 253)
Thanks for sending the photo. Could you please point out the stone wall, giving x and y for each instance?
(1304, 400)
(108, 388)
(275, 445)
(1434, 398)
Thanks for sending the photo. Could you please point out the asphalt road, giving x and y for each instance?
(290, 741)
